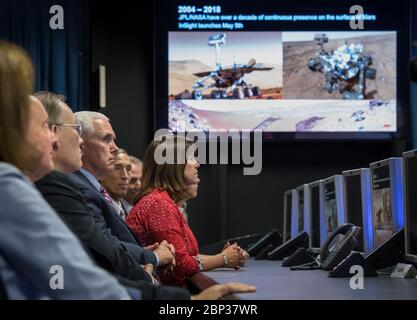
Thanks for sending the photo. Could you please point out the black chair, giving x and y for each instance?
(243, 241)
(3, 293)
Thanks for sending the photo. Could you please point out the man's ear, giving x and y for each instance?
(55, 145)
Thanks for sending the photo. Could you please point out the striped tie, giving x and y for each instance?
(121, 211)
(106, 195)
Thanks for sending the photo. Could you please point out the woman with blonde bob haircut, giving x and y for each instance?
(16, 78)
(157, 213)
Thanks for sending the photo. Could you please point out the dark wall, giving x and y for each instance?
(229, 204)
(256, 203)
(123, 43)
(60, 57)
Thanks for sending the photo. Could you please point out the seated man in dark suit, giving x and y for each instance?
(117, 183)
(64, 196)
(98, 162)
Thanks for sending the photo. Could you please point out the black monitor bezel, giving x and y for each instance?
(403, 89)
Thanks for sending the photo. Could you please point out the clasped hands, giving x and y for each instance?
(166, 255)
(235, 256)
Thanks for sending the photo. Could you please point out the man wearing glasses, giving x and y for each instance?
(71, 206)
(64, 196)
(64, 126)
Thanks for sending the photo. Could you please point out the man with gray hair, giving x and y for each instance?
(117, 183)
(62, 123)
(99, 149)
(64, 196)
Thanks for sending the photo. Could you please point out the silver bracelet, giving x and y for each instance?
(199, 263)
(225, 261)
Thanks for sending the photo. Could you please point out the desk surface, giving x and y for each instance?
(274, 282)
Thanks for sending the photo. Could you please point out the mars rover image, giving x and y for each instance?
(223, 79)
(345, 69)
(314, 82)
(338, 65)
(212, 66)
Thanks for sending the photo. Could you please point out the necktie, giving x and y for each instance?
(121, 211)
(117, 206)
(106, 195)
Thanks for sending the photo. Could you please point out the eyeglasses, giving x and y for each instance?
(76, 126)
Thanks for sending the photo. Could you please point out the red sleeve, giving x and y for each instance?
(162, 224)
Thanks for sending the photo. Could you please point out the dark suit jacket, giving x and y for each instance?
(109, 222)
(65, 197)
(152, 292)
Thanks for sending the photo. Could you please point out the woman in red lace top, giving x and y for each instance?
(157, 215)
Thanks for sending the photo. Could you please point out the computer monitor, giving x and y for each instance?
(290, 208)
(295, 207)
(358, 209)
(316, 190)
(410, 205)
(332, 209)
(303, 212)
(295, 70)
(387, 199)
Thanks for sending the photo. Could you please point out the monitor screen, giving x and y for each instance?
(300, 225)
(288, 209)
(353, 200)
(330, 207)
(315, 216)
(292, 69)
(382, 217)
(411, 198)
